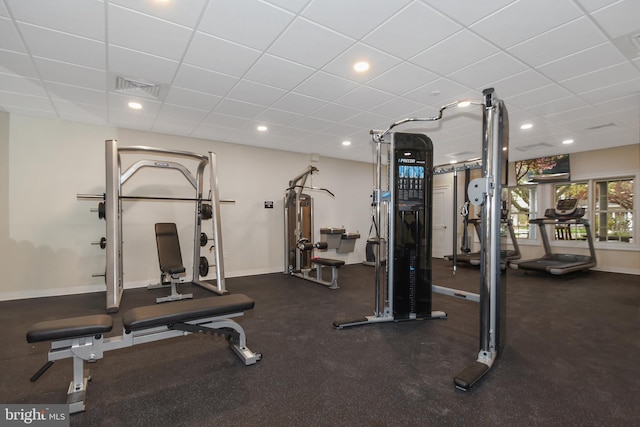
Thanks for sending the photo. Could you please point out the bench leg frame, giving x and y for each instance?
(92, 348)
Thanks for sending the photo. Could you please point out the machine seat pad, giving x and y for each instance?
(328, 262)
(73, 327)
(184, 311)
(173, 269)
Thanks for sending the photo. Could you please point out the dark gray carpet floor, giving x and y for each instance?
(572, 358)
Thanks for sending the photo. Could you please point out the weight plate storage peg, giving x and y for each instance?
(203, 268)
(206, 212)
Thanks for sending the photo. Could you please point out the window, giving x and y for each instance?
(522, 207)
(614, 210)
(573, 190)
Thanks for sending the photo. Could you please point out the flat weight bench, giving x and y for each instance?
(320, 263)
(82, 338)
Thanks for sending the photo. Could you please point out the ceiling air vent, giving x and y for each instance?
(137, 87)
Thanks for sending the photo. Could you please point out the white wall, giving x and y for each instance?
(47, 231)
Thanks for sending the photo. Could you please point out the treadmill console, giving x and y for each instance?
(565, 209)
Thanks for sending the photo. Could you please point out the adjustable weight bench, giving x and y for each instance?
(82, 338)
(170, 259)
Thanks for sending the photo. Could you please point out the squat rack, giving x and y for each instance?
(113, 199)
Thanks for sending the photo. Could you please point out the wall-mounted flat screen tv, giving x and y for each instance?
(543, 169)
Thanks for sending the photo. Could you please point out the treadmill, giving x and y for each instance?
(506, 256)
(567, 213)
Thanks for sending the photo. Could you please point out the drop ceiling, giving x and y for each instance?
(217, 69)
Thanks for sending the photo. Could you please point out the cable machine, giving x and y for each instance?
(404, 283)
(111, 210)
(298, 223)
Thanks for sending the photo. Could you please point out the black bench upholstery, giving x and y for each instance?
(328, 262)
(168, 245)
(184, 311)
(73, 327)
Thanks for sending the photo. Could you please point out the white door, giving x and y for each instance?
(442, 240)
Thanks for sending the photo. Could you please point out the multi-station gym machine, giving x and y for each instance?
(110, 209)
(403, 209)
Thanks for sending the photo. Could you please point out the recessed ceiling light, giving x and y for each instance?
(262, 128)
(504, 148)
(568, 141)
(345, 143)
(526, 126)
(135, 105)
(453, 162)
(464, 103)
(361, 66)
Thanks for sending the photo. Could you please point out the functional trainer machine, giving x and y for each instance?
(82, 338)
(111, 210)
(566, 213)
(404, 283)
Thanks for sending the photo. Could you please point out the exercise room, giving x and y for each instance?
(319, 212)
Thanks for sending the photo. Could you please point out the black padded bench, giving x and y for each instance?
(82, 338)
(334, 264)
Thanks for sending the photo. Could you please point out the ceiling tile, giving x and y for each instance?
(364, 98)
(255, 93)
(297, 103)
(586, 61)
(591, 5)
(619, 18)
(439, 92)
(612, 92)
(469, 48)
(402, 78)
(273, 71)
(138, 65)
(602, 78)
(74, 111)
(191, 98)
(238, 109)
(558, 106)
(18, 84)
(468, 12)
(290, 5)
(248, 22)
(398, 108)
(61, 72)
(278, 117)
(522, 82)
(49, 14)
(539, 96)
(335, 112)
(176, 112)
(311, 124)
(379, 63)
(76, 94)
(136, 31)
(215, 54)
(9, 37)
(201, 80)
(344, 16)
(216, 119)
(183, 12)
(485, 72)
(406, 34)
(507, 27)
(309, 44)
(17, 63)
(561, 41)
(63, 47)
(26, 102)
(325, 86)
